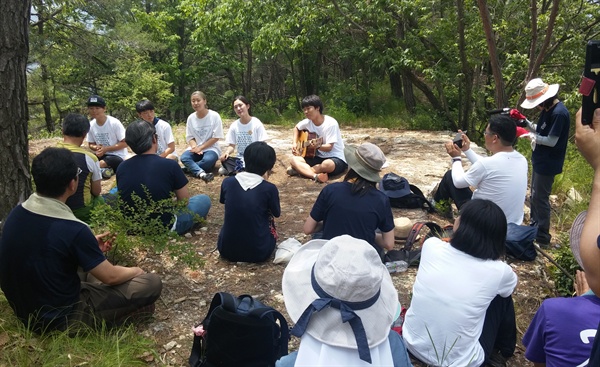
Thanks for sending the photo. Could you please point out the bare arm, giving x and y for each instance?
(310, 226)
(587, 138)
(183, 193)
(385, 240)
(96, 187)
(227, 152)
(111, 274)
(170, 149)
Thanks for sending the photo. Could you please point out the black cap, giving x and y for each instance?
(96, 101)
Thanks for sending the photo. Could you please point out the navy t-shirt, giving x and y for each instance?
(39, 257)
(160, 176)
(548, 161)
(246, 234)
(358, 216)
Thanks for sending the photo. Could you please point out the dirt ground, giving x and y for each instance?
(417, 155)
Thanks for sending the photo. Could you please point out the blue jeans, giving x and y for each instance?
(200, 205)
(198, 163)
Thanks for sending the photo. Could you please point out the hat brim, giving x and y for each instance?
(575, 236)
(394, 193)
(532, 103)
(326, 325)
(357, 166)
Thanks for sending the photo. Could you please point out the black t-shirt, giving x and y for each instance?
(548, 161)
(39, 258)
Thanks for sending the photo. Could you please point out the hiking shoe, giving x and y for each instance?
(496, 359)
(292, 172)
(206, 177)
(107, 172)
(321, 177)
(223, 171)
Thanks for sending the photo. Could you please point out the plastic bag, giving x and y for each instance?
(285, 251)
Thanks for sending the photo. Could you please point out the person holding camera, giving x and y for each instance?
(500, 178)
(549, 143)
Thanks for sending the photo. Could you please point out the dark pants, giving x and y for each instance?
(541, 188)
(112, 161)
(446, 190)
(340, 165)
(499, 328)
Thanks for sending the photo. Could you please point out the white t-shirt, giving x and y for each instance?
(243, 135)
(165, 136)
(110, 133)
(500, 178)
(202, 129)
(330, 131)
(451, 295)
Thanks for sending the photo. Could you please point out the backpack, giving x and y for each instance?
(402, 194)
(239, 331)
(411, 253)
(519, 241)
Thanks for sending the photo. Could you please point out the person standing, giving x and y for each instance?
(106, 137)
(549, 144)
(244, 131)
(203, 131)
(327, 145)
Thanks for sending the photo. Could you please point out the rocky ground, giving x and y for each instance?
(417, 155)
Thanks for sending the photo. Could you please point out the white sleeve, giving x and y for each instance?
(259, 131)
(474, 175)
(231, 134)
(217, 127)
(508, 283)
(94, 167)
(458, 175)
(119, 130)
(169, 133)
(472, 156)
(549, 141)
(189, 132)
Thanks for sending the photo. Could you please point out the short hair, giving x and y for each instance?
(481, 231)
(505, 127)
(144, 105)
(360, 185)
(52, 170)
(199, 94)
(75, 125)
(549, 102)
(139, 135)
(259, 157)
(314, 101)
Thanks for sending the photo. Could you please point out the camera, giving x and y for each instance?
(458, 140)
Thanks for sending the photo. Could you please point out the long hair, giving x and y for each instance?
(481, 231)
(360, 185)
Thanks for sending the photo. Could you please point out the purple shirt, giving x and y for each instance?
(562, 331)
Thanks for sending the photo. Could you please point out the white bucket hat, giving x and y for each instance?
(333, 289)
(575, 236)
(366, 160)
(536, 92)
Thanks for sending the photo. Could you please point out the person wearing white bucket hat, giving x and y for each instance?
(549, 142)
(343, 302)
(355, 206)
(560, 331)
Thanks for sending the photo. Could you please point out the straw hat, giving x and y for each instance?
(366, 160)
(536, 92)
(341, 273)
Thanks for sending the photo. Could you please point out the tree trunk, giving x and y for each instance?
(500, 97)
(409, 96)
(15, 182)
(465, 100)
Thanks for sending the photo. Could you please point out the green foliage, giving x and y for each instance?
(564, 257)
(139, 228)
(116, 347)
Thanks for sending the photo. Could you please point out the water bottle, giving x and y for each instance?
(396, 266)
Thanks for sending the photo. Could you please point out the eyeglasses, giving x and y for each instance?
(489, 133)
(78, 172)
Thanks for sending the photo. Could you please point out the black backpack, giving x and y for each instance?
(411, 252)
(240, 331)
(404, 195)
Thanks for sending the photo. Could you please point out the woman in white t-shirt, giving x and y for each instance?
(243, 132)
(203, 131)
(461, 312)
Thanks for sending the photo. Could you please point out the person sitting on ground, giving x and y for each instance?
(476, 323)
(587, 138)
(89, 186)
(203, 131)
(501, 178)
(106, 137)
(355, 206)
(248, 233)
(329, 157)
(166, 141)
(343, 302)
(244, 131)
(38, 268)
(549, 139)
(561, 330)
(159, 177)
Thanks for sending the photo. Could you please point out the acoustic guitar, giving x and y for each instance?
(307, 144)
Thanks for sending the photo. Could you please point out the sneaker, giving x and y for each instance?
(206, 177)
(223, 171)
(107, 172)
(292, 172)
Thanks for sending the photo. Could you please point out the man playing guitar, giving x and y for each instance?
(326, 142)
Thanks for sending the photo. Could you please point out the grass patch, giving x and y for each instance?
(115, 347)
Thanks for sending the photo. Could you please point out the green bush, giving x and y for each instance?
(564, 257)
